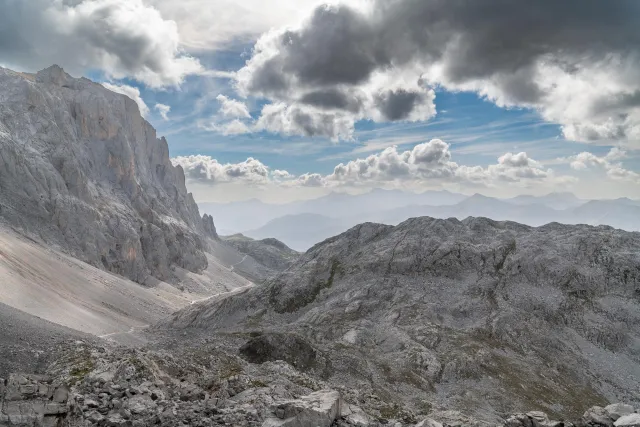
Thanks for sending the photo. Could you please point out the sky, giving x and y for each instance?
(286, 100)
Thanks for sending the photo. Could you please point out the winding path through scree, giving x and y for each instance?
(233, 291)
(238, 263)
(134, 328)
(137, 328)
(130, 331)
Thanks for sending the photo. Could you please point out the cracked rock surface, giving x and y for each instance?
(479, 316)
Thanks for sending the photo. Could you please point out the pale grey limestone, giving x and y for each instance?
(478, 316)
(82, 170)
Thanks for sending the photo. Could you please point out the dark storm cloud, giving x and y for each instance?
(300, 120)
(332, 99)
(620, 103)
(344, 48)
(397, 105)
(513, 52)
(340, 45)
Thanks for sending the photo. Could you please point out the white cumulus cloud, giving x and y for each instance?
(124, 38)
(163, 110)
(427, 163)
(233, 108)
(207, 169)
(610, 163)
(131, 92)
(235, 127)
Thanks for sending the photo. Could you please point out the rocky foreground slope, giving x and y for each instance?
(81, 169)
(485, 317)
(89, 385)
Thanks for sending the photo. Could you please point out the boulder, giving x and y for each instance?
(597, 416)
(630, 420)
(61, 394)
(428, 423)
(456, 419)
(518, 420)
(32, 400)
(318, 409)
(617, 410)
(355, 416)
(533, 419)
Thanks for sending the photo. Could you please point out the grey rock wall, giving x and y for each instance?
(81, 169)
(32, 401)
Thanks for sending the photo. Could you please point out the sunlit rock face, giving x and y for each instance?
(80, 168)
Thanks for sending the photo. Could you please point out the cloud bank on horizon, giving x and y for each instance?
(324, 72)
(429, 163)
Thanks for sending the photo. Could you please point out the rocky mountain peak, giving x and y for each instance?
(53, 75)
(81, 168)
(209, 227)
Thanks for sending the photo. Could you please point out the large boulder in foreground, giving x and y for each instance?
(617, 410)
(630, 420)
(318, 409)
(32, 400)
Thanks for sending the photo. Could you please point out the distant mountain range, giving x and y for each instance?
(553, 200)
(301, 231)
(303, 224)
(231, 218)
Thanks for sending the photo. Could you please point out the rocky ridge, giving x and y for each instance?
(270, 252)
(82, 170)
(488, 318)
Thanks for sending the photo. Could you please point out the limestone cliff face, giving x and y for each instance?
(80, 168)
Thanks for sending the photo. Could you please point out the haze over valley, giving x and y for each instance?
(302, 224)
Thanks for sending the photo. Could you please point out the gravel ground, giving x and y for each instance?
(26, 341)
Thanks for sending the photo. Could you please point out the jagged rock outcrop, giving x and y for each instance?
(319, 409)
(32, 400)
(479, 316)
(209, 227)
(270, 347)
(81, 169)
